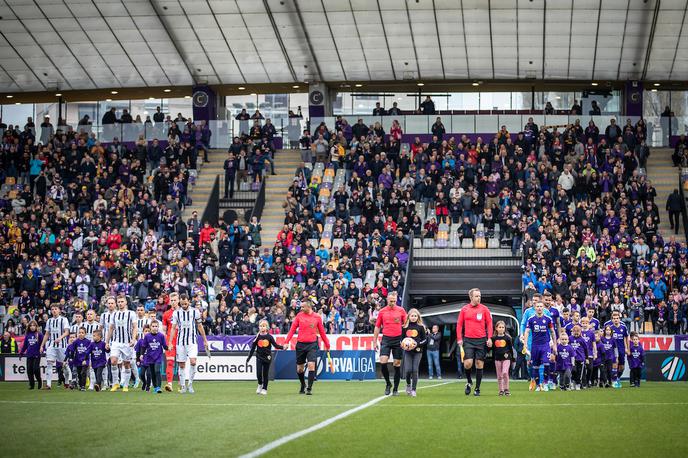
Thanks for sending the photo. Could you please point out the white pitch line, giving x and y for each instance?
(561, 404)
(173, 404)
(288, 438)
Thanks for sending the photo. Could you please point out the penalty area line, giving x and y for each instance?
(290, 437)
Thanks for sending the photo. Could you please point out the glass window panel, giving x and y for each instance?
(485, 124)
(495, 100)
(556, 120)
(512, 122)
(521, 100)
(404, 102)
(418, 124)
(17, 114)
(464, 101)
(463, 124)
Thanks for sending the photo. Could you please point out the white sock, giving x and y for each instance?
(192, 373)
(182, 376)
(135, 370)
(126, 375)
(91, 378)
(115, 375)
(49, 373)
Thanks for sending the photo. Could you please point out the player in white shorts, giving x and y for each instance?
(121, 340)
(141, 322)
(185, 321)
(54, 342)
(105, 322)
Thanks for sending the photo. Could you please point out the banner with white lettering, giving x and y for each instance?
(344, 365)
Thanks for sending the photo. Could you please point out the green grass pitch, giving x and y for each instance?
(229, 419)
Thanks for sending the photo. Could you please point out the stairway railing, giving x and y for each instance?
(211, 212)
(257, 209)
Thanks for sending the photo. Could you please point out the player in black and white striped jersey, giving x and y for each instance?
(54, 342)
(185, 321)
(77, 323)
(91, 326)
(105, 322)
(121, 340)
(141, 322)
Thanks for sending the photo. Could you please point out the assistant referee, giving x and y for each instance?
(473, 334)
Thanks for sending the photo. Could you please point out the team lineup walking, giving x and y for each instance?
(124, 348)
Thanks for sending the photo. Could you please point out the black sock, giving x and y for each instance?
(311, 379)
(408, 378)
(397, 377)
(385, 372)
(469, 379)
(478, 378)
(302, 379)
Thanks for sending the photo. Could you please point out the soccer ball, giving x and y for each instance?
(408, 344)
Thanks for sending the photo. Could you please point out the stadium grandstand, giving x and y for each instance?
(263, 164)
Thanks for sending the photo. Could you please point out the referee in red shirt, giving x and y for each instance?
(473, 334)
(309, 325)
(391, 318)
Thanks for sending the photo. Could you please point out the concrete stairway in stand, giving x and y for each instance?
(200, 192)
(272, 220)
(664, 177)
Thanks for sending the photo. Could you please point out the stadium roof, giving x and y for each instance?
(85, 44)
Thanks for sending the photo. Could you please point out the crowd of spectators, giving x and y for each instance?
(85, 221)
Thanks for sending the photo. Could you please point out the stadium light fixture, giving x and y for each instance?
(10, 96)
(296, 86)
(59, 94)
(654, 90)
(358, 85)
(108, 100)
(17, 103)
(241, 88)
(657, 84)
(475, 83)
(114, 92)
(151, 98)
(167, 90)
(421, 84)
(187, 96)
(593, 84)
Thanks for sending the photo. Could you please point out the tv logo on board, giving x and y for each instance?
(673, 368)
(681, 343)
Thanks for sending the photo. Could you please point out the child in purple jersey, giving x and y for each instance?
(636, 360)
(594, 322)
(79, 352)
(620, 334)
(543, 344)
(98, 357)
(154, 345)
(565, 317)
(139, 348)
(580, 355)
(597, 361)
(588, 335)
(564, 361)
(609, 356)
(32, 349)
(70, 375)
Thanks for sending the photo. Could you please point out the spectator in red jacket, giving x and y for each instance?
(205, 234)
